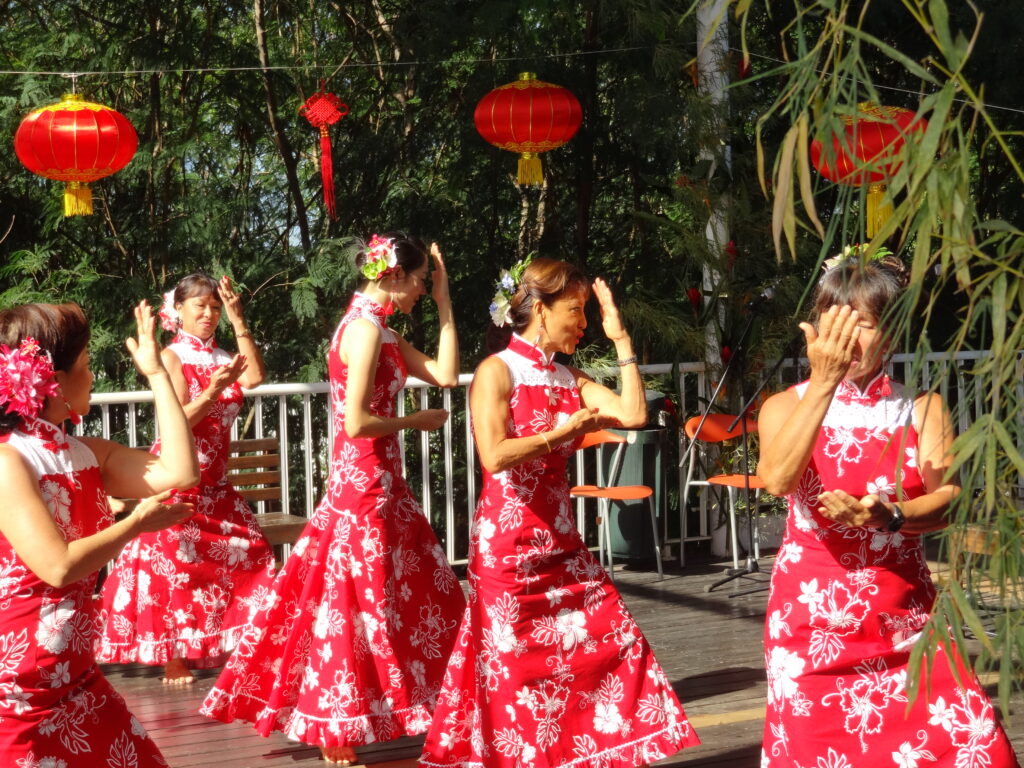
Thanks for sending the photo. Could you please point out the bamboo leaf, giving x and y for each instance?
(782, 207)
(803, 156)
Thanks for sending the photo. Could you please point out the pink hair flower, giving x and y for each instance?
(381, 258)
(169, 316)
(26, 378)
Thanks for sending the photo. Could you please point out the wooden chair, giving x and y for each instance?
(716, 430)
(605, 494)
(254, 468)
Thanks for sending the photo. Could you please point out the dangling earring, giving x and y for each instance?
(73, 415)
(389, 308)
(540, 331)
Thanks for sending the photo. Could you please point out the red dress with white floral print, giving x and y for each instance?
(187, 591)
(57, 710)
(352, 642)
(846, 607)
(550, 669)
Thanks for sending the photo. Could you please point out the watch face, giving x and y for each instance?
(897, 519)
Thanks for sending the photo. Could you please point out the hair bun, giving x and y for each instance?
(895, 266)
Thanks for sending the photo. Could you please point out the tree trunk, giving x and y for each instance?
(280, 139)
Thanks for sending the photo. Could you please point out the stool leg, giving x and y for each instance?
(657, 541)
(732, 528)
(608, 537)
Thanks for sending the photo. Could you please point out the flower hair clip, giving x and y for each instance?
(858, 251)
(169, 317)
(26, 378)
(381, 258)
(508, 282)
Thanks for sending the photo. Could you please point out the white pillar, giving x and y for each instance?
(712, 48)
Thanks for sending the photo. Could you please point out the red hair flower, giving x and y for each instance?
(26, 378)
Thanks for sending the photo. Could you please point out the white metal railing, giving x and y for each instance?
(298, 415)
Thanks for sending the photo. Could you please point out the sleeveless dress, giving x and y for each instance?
(550, 669)
(847, 605)
(354, 638)
(187, 591)
(56, 708)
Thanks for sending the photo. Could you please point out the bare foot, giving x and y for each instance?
(177, 673)
(339, 755)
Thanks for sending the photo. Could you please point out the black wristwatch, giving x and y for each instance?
(897, 520)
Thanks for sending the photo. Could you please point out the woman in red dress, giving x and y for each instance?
(865, 465)
(359, 623)
(57, 531)
(183, 596)
(550, 669)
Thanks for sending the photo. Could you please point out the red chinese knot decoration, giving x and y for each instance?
(528, 116)
(77, 142)
(323, 109)
(868, 153)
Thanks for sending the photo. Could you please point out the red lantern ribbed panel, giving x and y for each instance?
(528, 115)
(872, 140)
(75, 140)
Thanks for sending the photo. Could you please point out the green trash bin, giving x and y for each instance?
(641, 465)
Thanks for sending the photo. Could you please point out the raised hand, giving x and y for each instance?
(144, 349)
(611, 322)
(231, 300)
(830, 348)
(152, 514)
(438, 277)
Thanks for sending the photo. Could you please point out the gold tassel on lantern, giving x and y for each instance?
(878, 209)
(530, 172)
(77, 199)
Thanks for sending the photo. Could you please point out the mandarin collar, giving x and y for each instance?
(52, 436)
(195, 342)
(878, 388)
(532, 352)
(371, 305)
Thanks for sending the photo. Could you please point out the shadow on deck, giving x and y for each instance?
(708, 642)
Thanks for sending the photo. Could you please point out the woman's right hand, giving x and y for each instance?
(439, 277)
(830, 347)
(151, 514)
(144, 349)
(429, 419)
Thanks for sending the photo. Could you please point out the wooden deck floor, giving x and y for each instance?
(708, 643)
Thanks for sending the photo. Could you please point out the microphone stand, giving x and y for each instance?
(751, 566)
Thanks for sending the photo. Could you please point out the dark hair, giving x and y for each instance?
(196, 284)
(872, 287)
(546, 280)
(60, 329)
(410, 252)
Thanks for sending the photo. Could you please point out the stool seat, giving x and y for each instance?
(736, 481)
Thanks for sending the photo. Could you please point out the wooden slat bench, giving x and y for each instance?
(254, 468)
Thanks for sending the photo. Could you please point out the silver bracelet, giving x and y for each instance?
(545, 439)
(627, 361)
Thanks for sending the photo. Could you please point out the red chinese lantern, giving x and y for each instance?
(77, 142)
(323, 109)
(867, 153)
(528, 116)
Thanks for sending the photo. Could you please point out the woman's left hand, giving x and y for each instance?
(438, 277)
(232, 301)
(848, 510)
(144, 349)
(610, 320)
